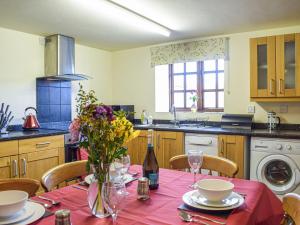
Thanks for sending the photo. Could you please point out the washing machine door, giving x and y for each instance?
(279, 172)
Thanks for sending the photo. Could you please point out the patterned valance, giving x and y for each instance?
(214, 48)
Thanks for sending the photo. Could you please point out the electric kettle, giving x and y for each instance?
(30, 120)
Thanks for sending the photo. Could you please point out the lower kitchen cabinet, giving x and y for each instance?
(233, 148)
(166, 145)
(30, 158)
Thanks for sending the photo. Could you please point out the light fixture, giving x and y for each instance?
(115, 11)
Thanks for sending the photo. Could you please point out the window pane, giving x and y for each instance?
(209, 65)
(209, 81)
(221, 64)
(189, 101)
(221, 99)
(191, 67)
(191, 82)
(220, 80)
(178, 68)
(209, 99)
(178, 82)
(179, 100)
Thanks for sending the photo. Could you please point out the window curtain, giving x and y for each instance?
(214, 48)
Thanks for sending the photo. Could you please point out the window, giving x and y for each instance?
(204, 79)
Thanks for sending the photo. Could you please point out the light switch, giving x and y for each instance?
(251, 109)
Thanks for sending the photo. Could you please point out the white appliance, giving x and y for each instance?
(207, 143)
(276, 163)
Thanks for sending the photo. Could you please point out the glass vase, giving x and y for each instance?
(94, 197)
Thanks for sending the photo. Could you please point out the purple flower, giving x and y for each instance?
(104, 111)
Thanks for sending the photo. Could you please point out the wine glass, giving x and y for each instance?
(113, 197)
(195, 158)
(123, 164)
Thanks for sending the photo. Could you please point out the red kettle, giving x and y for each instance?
(30, 120)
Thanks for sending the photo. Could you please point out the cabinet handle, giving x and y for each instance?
(24, 166)
(42, 144)
(222, 146)
(15, 168)
(280, 86)
(272, 81)
(158, 141)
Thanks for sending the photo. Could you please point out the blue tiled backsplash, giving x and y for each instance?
(53, 99)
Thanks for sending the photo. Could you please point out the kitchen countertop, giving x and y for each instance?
(291, 134)
(20, 134)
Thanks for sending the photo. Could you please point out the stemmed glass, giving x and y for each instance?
(113, 196)
(123, 165)
(195, 158)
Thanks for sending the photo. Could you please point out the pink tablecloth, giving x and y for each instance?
(261, 206)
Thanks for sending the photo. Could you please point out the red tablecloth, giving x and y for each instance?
(261, 206)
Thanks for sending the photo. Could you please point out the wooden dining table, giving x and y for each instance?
(261, 206)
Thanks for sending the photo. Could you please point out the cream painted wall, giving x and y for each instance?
(133, 81)
(22, 60)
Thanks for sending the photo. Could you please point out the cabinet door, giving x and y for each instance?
(232, 148)
(9, 167)
(287, 65)
(35, 164)
(132, 150)
(168, 144)
(262, 67)
(142, 146)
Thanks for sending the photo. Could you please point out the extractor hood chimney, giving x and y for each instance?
(60, 58)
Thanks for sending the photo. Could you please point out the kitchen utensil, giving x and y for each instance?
(186, 214)
(188, 218)
(30, 120)
(47, 206)
(53, 202)
(214, 189)
(12, 202)
(188, 200)
(79, 188)
(273, 120)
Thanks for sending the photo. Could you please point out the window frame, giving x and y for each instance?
(200, 87)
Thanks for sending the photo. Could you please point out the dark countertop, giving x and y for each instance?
(292, 134)
(17, 135)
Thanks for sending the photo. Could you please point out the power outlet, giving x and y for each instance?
(251, 109)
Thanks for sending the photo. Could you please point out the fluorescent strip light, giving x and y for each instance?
(144, 21)
(115, 11)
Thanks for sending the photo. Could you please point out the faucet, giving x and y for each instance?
(175, 121)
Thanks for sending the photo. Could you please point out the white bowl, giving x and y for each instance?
(11, 202)
(214, 190)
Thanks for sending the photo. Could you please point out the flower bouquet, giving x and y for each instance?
(103, 133)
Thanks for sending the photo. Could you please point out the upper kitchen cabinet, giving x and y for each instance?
(274, 68)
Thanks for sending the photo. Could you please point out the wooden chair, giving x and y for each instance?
(223, 166)
(63, 173)
(23, 184)
(291, 207)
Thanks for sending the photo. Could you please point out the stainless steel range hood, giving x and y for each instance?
(60, 59)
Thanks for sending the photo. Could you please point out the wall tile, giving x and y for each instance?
(54, 113)
(65, 96)
(43, 96)
(43, 114)
(54, 95)
(65, 113)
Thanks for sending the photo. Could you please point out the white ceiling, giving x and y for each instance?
(187, 19)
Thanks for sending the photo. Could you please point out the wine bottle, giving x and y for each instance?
(150, 165)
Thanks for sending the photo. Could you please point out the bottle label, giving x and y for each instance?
(153, 178)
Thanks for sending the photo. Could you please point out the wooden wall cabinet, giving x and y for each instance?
(275, 68)
(166, 145)
(233, 148)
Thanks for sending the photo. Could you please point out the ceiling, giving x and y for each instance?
(186, 18)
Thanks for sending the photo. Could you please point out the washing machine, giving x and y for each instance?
(276, 162)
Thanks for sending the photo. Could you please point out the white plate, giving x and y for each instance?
(26, 212)
(229, 201)
(188, 200)
(127, 178)
(39, 211)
